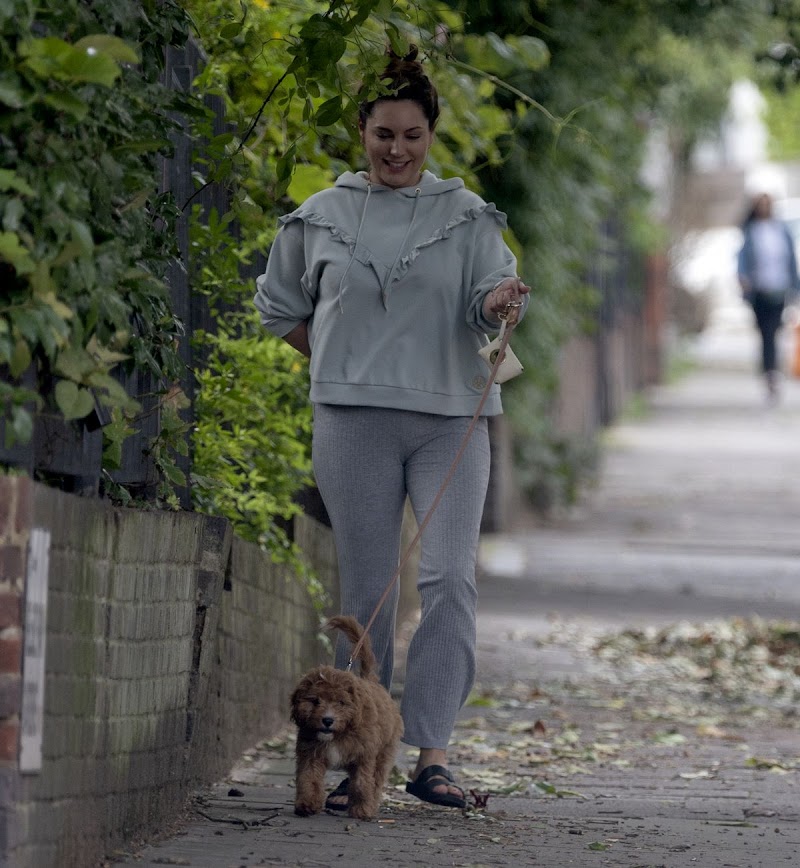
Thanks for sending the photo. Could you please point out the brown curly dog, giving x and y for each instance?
(344, 721)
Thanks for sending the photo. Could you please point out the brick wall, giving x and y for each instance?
(171, 648)
(15, 511)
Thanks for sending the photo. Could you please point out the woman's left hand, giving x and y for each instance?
(509, 291)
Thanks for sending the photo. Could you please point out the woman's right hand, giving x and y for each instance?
(297, 338)
(508, 291)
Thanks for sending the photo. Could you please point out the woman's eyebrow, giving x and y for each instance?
(389, 130)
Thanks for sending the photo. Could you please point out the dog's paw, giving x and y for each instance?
(361, 812)
(304, 809)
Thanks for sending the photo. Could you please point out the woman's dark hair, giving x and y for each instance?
(406, 80)
(752, 211)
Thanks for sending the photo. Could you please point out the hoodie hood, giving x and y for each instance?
(429, 184)
(386, 228)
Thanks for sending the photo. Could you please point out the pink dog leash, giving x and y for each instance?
(510, 318)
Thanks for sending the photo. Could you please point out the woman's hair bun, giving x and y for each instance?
(409, 57)
(406, 79)
(402, 67)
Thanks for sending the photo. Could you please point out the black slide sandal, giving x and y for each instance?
(341, 790)
(423, 787)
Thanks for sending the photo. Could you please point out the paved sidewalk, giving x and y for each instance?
(672, 748)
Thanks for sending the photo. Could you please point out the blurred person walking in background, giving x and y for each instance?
(768, 276)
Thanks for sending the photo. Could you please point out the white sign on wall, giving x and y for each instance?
(34, 638)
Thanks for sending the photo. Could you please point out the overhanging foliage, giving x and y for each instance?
(86, 237)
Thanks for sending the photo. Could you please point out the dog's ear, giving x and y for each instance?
(296, 698)
(293, 705)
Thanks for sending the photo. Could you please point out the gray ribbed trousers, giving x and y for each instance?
(366, 460)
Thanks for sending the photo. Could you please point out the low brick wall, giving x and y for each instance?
(171, 648)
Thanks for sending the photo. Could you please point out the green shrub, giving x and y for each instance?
(252, 436)
(86, 238)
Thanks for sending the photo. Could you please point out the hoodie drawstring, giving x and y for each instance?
(355, 247)
(388, 280)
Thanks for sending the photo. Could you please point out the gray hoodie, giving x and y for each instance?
(392, 284)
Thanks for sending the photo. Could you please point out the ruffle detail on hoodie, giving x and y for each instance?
(365, 257)
(314, 219)
(466, 216)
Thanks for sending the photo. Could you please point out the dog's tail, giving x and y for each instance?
(354, 631)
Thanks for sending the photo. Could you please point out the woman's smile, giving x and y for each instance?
(396, 139)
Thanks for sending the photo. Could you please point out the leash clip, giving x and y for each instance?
(507, 312)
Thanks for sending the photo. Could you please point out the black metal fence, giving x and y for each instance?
(69, 454)
(138, 472)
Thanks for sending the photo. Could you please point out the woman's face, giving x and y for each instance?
(396, 137)
(763, 207)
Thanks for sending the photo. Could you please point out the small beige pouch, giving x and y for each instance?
(510, 366)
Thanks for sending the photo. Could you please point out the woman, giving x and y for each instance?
(767, 271)
(389, 282)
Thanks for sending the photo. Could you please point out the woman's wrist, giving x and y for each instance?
(488, 311)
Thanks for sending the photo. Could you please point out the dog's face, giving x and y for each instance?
(325, 704)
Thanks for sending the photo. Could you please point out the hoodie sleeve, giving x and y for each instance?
(492, 262)
(743, 257)
(284, 296)
(794, 272)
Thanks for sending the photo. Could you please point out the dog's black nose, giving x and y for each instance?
(328, 721)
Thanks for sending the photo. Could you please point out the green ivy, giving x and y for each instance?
(86, 237)
(253, 420)
(254, 423)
